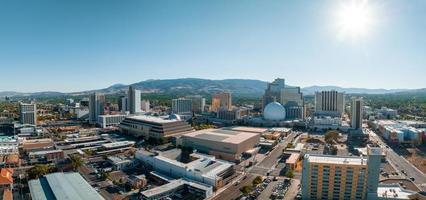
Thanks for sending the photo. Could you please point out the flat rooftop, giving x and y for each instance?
(393, 191)
(222, 135)
(153, 119)
(248, 129)
(62, 186)
(325, 159)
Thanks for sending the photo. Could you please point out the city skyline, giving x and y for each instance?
(78, 46)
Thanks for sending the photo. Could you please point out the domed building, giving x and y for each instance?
(274, 111)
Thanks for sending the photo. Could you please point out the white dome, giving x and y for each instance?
(274, 111)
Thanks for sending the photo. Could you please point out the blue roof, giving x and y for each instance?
(66, 186)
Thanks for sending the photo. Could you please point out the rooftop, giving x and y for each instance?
(326, 159)
(221, 135)
(393, 191)
(62, 186)
(173, 185)
(152, 119)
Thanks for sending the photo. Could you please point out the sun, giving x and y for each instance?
(354, 18)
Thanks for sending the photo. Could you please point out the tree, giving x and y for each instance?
(76, 162)
(105, 176)
(331, 136)
(246, 189)
(289, 174)
(38, 170)
(257, 180)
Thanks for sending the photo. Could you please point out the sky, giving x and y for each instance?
(66, 46)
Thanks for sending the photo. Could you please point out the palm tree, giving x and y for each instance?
(38, 171)
(76, 162)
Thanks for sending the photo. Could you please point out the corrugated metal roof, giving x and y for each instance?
(63, 186)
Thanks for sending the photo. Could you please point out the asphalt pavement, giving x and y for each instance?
(400, 163)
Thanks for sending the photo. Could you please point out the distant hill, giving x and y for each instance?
(313, 89)
(185, 86)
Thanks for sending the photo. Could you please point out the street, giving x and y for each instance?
(260, 169)
(399, 162)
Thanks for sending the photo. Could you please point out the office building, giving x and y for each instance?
(231, 115)
(155, 127)
(331, 103)
(356, 114)
(273, 91)
(96, 106)
(182, 106)
(62, 186)
(198, 103)
(340, 177)
(105, 121)
(123, 104)
(28, 113)
(221, 100)
(291, 98)
(199, 167)
(224, 144)
(134, 100)
(145, 105)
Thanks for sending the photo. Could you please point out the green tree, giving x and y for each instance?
(38, 170)
(289, 174)
(331, 136)
(257, 180)
(246, 189)
(76, 162)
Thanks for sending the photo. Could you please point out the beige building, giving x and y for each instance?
(339, 177)
(329, 103)
(155, 127)
(221, 100)
(224, 144)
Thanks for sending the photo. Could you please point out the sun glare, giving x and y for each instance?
(354, 19)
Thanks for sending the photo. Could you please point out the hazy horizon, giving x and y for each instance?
(287, 83)
(71, 46)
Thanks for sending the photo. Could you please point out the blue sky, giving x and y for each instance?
(61, 45)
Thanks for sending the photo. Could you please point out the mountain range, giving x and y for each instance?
(184, 86)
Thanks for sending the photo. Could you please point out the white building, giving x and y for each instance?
(134, 98)
(9, 145)
(330, 103)
(198, 103)
(96, 107)
(182, 106)
(145, 105)
(105, 121)
(28, 113)
(202, 168)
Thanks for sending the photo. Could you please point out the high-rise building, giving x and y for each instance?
(134, 99)
(28, 113)
(357, 113)
(273, 91)
(198, 103)
(145, 105)
(96, 106)
(181, 106)
(341, 177)
(221, 100)
(330, 103)
(290, 97)
(123, 104)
